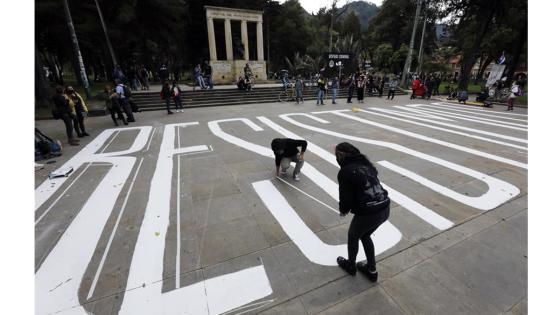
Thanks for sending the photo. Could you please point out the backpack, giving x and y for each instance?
(519, 92)
(373, 197)
(46, 147)
(127, 91)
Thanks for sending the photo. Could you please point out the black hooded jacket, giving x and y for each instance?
(351, 183)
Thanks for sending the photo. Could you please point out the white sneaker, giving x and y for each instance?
(176, 110)
(296, 178)
(182, 111)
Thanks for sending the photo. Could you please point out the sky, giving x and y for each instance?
(315, 5)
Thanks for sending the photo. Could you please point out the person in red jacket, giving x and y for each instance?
(415, 87)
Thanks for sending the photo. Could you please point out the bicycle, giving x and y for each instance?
(287, 94)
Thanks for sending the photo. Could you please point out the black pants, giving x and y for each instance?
(360, 94)
(178, 103)
(168, 104)
(391, 94)
(350, 92)
(125, 105)
(117, 112)
(67, 119)
(361, 228)
(381, 91)
(79, 123)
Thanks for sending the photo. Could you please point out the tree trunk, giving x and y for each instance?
(512, 66)
(469, 57)
(42, 88)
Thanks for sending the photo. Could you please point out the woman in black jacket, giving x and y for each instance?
(360, 193)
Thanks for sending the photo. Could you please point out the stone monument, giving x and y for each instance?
(227, 71)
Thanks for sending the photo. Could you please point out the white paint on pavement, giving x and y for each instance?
(475, 130)
(308, 242)
(433, 140)
(406, 202)
(471, 109)
(464, 117)
(447, 130)
(500, 191)
(58, 278)
(386, 237)
(143, 293)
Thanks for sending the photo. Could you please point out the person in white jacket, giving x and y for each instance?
(515, 91)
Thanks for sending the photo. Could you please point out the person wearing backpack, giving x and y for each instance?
(122, 91)
(360, 193)
(64, 112)
(322, 85)
(514, 92)
(166, 94)
(177, 97)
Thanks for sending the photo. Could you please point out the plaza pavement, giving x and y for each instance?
(224, 228)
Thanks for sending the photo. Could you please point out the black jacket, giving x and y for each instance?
(61, 105)
(290, 147)
(351, 184)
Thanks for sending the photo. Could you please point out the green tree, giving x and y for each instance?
(351, 26)
(382, 57)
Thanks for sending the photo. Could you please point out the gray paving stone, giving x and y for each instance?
(370, 301)
(428, 288)
(293, 306)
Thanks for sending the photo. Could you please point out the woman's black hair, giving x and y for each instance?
(347, 149)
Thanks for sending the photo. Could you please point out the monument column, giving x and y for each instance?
(211, 39)
(245, 40)
(260, 50)
(229, 42)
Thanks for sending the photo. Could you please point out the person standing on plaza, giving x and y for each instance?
(80, 109)
(381, 86)
(415, 87)
(351, 87)
(360, 193)
(360, 88)
(166, 94)
(163, 73)
(143, 77)
(64, 112)
(392, 88)
(334, 87)
(515, 91)
(112, 104)
(124, 93)
(298, 85)
(436, 85)
(208, 74)
(286, 151)
(322, 86)
(177, 97)
(132, 76)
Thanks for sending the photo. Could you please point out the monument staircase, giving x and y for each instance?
(150, 100)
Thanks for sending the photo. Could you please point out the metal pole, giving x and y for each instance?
(421, 49)
(406, 69)
(78, 55)
(113, 57)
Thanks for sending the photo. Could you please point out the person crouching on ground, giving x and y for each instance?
(286, 151)
(361, 193)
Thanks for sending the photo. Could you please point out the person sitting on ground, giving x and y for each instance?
(197, 73)
(240, 83)
(45, 147)
(286, 151)
(360, 193)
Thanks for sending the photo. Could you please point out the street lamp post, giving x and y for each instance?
(78, 55)
(408, 62)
